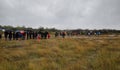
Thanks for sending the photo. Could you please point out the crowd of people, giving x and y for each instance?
(64, 33)
(29, 34)
(22, 35)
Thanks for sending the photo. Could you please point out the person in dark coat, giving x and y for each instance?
(45, 35)
(0, 36)
(42, 35)
(6, 35)
(10, 35)
(30, 34)
(17, 35)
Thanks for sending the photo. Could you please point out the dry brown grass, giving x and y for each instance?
(61, 54)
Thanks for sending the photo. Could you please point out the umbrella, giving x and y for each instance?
(8, 31)
(17, 31)
(22, 32)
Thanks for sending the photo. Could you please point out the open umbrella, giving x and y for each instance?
(22, 32)
(8, 31)
(17, 31)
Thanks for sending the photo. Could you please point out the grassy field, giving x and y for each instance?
(91, 53)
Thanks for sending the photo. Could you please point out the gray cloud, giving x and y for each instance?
(61, 14)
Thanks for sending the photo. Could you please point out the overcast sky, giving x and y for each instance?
(61, 14)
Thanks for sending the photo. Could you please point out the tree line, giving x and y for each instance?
(77, 31)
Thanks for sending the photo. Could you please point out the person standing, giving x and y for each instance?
(63, 34)
(45, 34)
(38, 37)
(35, 35)
(27, 34)
(14, 36)
(48, 35)
(56, 34)
(6, 35)
(10, 35)
(30, 34)
(0, 36)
